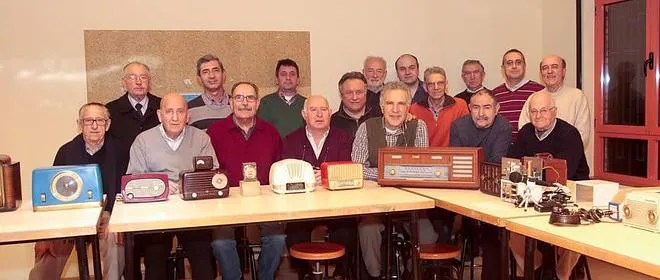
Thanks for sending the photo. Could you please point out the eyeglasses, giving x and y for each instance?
(436, 84)
(241, 98)
(543, 111)
(99, 122)
(134, 77)
(546, 68)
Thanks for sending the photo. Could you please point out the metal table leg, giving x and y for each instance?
(96, 256)
(504, 253)
(81, 249)
(388, 238)
(530, 245)
(415, 245)
(129, 242)
(358, 253)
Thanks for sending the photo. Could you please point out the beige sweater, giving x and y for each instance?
(572, 107)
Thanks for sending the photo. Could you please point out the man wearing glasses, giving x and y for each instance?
(438, 110)
(572, 105)
(515, 90)
(91, 146)
(548, 134)
(237, 139)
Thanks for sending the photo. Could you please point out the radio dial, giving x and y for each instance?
(653, 218)
(219, 181)
(626, 212)
(392, 171)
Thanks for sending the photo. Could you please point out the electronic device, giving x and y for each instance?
(490, 178)
(342, 175)
(640, 210)
(435, 167)
(598, 192)
(204, 184)
(66, 187)
(148, 187)
(203, 163)
(10, 184)
(291, 176)
(565, 216)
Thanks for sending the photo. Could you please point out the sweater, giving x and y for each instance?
(284, 117)
(572, 106)
(438, 129)
(343, 121)
(150, 153)
(495, 140)
(126, 124)
(466, 95)
(75, 153)
(511, 102)
(563, 142)
(203, 115)
(263, 147)
(337, 147)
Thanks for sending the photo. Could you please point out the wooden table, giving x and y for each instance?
(177, 214)
(24, 225)
(483, 207)
(632, 248)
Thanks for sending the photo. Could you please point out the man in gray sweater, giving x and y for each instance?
(169, 148)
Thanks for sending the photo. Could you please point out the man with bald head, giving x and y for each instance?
(548, 134)
(316, 143)
(572, 105)
(169, 148)
(239, 138)
(407, 70)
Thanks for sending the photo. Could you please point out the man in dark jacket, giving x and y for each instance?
(354, 108)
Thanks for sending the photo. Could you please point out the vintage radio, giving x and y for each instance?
(204, 184)
(10, 184)
(66, 187)
(640, 210)
(437, 167)
(146, 187)
(341, 175)
(490, 178)
(291, 176)
(203, 163)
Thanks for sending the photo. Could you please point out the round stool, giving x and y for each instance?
(317, 252)
(439, 252)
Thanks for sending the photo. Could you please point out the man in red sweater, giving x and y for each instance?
(239, 138)
(439, 110)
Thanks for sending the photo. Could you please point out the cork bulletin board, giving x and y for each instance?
(172, 56)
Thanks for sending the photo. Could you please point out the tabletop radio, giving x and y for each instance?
(66, 187)
(341, 175)
(291, 176)
(436, 167)
(10, 184)
(640, 210)
(146, 187)
(204, 183)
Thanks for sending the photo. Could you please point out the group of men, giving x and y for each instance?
(147, 134)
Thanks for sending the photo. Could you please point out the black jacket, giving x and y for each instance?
(126, 124)
(343, 121)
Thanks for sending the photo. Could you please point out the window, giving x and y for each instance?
(626, 102)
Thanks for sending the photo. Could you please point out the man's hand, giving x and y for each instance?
(410, 117)
(102, 226)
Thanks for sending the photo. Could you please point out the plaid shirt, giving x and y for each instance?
(360, 153)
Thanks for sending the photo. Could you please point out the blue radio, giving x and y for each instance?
(66, 187)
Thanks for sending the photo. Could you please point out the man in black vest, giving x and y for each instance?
(388, 131)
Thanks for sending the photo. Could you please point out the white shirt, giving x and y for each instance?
(317, 148)
(516, 87)
(173, 143)
(543, 134)
(144, 102)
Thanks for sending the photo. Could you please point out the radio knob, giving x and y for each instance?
(653, 218)
(626, 212)
(437, 173)
(130, 196)
(90, 194)
(219, 193)
(194, 195)
(43, 197)
(392, 171)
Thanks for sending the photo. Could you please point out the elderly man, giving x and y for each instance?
(549, 134)
(473, 75)
(213, 103)
(438, 110)
(170, 148)
(375, 70)
(239, 138)
(407, 70)
(354, 108)
(515, 90)
(572, 105)
(133, 112)
(282, 108)
(316, 143)
(391, 130)
(484, 127)
(91, 146)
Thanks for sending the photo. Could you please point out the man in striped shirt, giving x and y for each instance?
(515, 90)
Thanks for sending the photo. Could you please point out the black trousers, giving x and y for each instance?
(157, 247)
(342, 231)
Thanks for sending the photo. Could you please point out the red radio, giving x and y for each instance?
(146, 187)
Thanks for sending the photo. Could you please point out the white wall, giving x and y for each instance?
(42, 67)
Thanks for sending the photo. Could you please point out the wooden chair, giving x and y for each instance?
(316, 252)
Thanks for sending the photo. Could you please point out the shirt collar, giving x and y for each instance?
(399, 130)
(474, 91)
(246, 134)
(144, 102)
(290, 101)
(91, 150)
(516, 87)
(173, 143)
(211, 102)
(543, 134)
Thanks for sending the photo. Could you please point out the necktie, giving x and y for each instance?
(138, 108)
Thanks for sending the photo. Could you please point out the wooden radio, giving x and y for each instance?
(341, 175)
(147, 187)
(491, 174)
(10, 184)
(435, 167)
(204, 183)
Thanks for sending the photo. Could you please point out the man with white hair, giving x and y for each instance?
(375, 70)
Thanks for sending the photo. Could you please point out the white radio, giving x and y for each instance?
(640, 210)
(291, 176)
